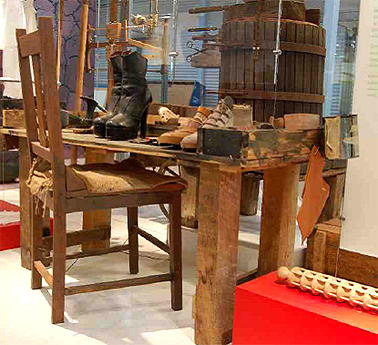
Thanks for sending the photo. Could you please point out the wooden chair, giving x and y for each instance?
(69, 193)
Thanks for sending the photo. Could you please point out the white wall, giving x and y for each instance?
(360, 230)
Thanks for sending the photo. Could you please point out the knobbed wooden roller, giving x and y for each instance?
(330, 287)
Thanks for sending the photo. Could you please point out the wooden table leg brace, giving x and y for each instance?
(219, 209)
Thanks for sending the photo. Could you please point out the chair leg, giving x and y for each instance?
(132, 221)
(36, 222)
(59, 267)
(175, 252)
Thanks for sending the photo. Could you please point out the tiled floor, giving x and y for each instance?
(137, 315)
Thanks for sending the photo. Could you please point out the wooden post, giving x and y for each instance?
(164, 63)
(81, 59)
(59, 38)
(25, 210)
(218, 229)
(102, 218)
(278, 218)
(189, 210)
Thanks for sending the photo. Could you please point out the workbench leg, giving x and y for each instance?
(25, 209)
(189, 209)
(102, 218)
(219, 208)
(278, 218)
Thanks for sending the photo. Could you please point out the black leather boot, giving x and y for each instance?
(133, 105)
(112, 107)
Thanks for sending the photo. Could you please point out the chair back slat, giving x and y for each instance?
(30, 44)
(27, 91)
(45, 140)
(40, 100)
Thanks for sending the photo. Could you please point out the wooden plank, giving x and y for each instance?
(290, 67)
(269, 61)
(13, 118)
(308, 38)
(25, 206)
(319, 260)
(44, 273)
(219, 210)
(248, 56)
(175, 251)
(315, 70)
(258, 110)
(81, 57)
(113, 11)
(233, 56)
(295, 122)
(189, 209)
(97, 219)
(278, 218)
(152, 239)
(299, 66)
(30, 44)
(240, 63)
(74, 290)
(78, 237)
(40, 100)
(332, 208)
(274, 143)
(281, 73)
(41, 151)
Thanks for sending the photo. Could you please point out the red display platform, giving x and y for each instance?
(271, 313)
(10, 233)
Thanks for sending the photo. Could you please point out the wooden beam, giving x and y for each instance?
(219, 209)
(44, 273)
(278, 218)
(74, 290)
(30, 44)
(153, 240)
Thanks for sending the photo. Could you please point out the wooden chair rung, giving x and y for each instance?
(74, 290)
(152, 239)
(80, 255)
(42, 270)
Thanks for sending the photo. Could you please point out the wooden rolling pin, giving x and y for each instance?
(330, 287)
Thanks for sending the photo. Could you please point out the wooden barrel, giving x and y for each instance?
(247, 66)
(291, 9)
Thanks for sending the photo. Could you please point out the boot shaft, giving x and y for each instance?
(116, 61)
(134, 69)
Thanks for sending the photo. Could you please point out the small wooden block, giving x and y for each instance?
(294, 122)
(341, 137)
(14, 118)
(113, 30)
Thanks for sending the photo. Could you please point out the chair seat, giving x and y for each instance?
(128, 176)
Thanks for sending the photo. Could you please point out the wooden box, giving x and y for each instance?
(341, 137)
(257, 144)
(13, 118)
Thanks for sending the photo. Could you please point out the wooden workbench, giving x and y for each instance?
(218, 213)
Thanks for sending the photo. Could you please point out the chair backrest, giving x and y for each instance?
(39, 46)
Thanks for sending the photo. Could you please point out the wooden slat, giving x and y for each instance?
(290, 67)
(240, 64)
(248, 56)
(315, 70)
(233, 57)
(78, 237)
(97, 219)
(44, 273)
(319, 263)
(152, 239)
(219, 210)
(269, 61)
(27, 91)
(30, 44)
(307, 66)
(299, 67)
(74, 290)
(281, 73)
(41, 151)
(278, 232)
(40, 100)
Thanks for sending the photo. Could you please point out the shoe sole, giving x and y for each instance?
(99, 130)
(114, 133)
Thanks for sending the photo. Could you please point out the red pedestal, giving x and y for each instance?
(10, 233)
(271, 313)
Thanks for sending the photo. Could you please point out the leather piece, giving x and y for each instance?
(315, 194)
